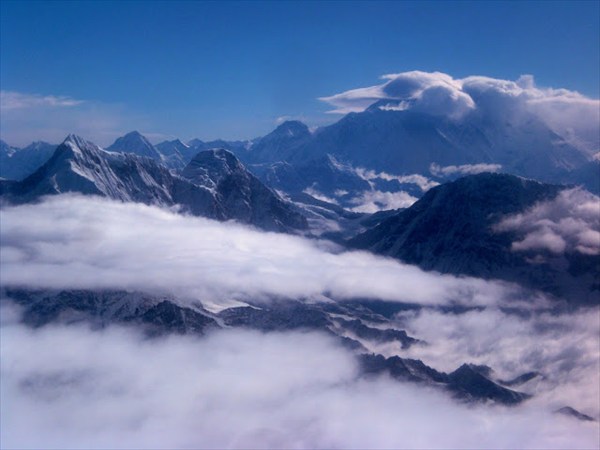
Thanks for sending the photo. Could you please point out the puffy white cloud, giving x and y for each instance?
(85, 242)
(71, 387)
(570, 222)
(374, 200)
(571, 115)
(433, 92)
(563, 348)
(464, 169)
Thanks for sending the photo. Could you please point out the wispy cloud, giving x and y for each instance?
(374, 200)
(421, 181)
(31, 117)
(464, 169)
(10, 100)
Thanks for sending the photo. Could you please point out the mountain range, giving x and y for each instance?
(159, 315)
(225, 190)
(295, 180)
(469, 197)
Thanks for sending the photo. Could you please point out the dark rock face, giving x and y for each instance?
(169, 317)
(287, 316)
(154, 314)
(469, 383)
(376, 334)
(224, 192)
(450, 230)
(466, 383)
(572, 412)
(401, 369)
(157, 315)
(240, 193)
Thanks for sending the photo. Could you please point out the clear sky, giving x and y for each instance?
(232, 70)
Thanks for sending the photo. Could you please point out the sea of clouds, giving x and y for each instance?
(71, 386)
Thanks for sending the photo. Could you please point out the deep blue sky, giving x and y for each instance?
(231, 69)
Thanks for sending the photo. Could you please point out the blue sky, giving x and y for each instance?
(232, 70)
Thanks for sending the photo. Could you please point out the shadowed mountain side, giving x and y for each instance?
(450, 230)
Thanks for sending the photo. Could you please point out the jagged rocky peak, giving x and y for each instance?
(76, 148)
(135, 142)
(211, 166)
(292, 128)
(175, 144)
(77, 142)
(242, 194)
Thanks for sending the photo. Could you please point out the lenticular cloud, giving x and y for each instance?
(570, 114)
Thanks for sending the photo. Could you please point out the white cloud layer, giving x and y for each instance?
(373, 201)
(464, 169)
(71, 387)
(569, 223)
(563, 348)
(86, 242)
(570, 114)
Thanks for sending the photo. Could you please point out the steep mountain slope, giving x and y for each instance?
(409, 142)
(80, 166)
(174, 153)
(279, 145)
(16, 164)
(134, 142)
(387, 138)
(451, 230)
(241, 193)
(324, 175)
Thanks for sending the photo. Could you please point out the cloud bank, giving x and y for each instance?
(569, 223)
(75, 387)
(571, 115)
(71, 387)
(85, 242)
